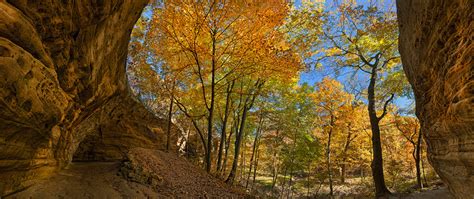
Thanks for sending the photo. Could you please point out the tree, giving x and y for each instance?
(209, 43)
(246, 106)
(330, 98)
(409, 127)
(291, 120)
(352, 123)
(226, 73)
(147, 81)
(364, 39)
(223, 142)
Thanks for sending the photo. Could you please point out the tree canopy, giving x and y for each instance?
(229, 74)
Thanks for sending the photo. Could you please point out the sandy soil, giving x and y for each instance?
(87, 180)
(177, 179)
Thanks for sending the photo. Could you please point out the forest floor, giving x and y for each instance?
(173, 177)
(156, 174)
(430, 194)
(354, 187)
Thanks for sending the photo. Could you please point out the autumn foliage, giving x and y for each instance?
(228, 74)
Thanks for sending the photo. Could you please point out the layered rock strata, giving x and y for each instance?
(436, 45)
(63, 87)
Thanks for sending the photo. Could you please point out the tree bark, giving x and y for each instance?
(328, 152)
(224, 125)
(290, 184)
(283, 184)
(254, 147)
(418, 160)
(211, 106)
(226, 151)
(344, 154)
(377, 161)
(170, 116)
(422, 165)
(416, 144)
(255, 169)
(238, 137)
(242, 162)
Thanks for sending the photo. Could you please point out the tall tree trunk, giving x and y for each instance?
(377, 161)
(274, 176)
(255, 167)
(170, 116)
(226, 151)
(238, 137)
(224, 125)
(344, 153)
(211, 106)
(418, 160)
(328, 156)
(254, 147)
(242, 162)
(290, 184)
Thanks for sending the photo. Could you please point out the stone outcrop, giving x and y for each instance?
(63, 88)
(436, 45)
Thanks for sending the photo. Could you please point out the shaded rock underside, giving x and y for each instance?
(63, 88)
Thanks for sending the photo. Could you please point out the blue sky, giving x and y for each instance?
(312, 76)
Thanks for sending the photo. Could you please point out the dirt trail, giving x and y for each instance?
(167, 176)
(148, 174)
(442, 193)
(87, 180)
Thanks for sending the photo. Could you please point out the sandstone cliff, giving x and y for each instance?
(436, 44)
(64, 94)
(63, 88)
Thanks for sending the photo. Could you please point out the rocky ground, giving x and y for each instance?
(146, 174)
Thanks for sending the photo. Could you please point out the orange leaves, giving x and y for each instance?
(408, 126)
(240, 37)
(330, 95)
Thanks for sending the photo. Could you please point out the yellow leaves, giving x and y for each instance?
(303, 26)
(332, 51)
(282, 46)
(313, 4)
(331, 97)
(234, 40)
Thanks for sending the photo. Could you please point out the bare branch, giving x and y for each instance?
(385, 107)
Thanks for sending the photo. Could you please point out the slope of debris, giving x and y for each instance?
(145, 174)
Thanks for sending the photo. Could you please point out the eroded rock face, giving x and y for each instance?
(118, 125)
(63, 88)
(436, 44)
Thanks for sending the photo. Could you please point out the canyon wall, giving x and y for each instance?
(436, 45)
(64, 94)
(63, 87)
